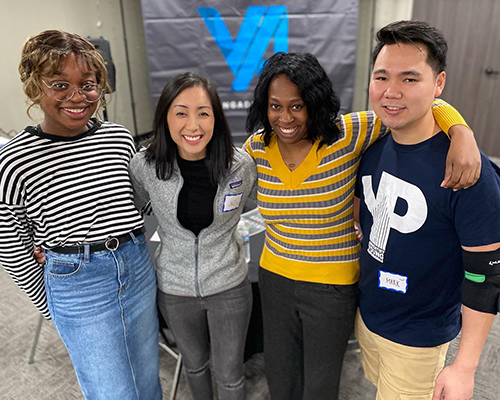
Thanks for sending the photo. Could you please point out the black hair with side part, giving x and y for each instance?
(415, 32)
(315, 89)
(162, 150)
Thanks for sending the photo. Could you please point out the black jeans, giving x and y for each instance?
(214, 325)
(306, 330)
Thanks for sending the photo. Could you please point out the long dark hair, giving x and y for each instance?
(315, 90)
(162, 150)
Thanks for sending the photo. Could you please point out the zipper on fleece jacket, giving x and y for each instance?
(196, 241)
(220, 188)
(196, 284)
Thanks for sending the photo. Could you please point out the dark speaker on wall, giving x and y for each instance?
(102, 46)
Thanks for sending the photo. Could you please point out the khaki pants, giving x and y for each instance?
(399, 372)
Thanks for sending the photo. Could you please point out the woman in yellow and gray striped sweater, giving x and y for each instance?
(307, 167)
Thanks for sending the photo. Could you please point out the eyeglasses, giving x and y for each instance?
(63, 91)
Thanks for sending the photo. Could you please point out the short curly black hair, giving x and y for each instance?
(315, 89)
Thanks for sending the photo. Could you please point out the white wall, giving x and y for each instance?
(373, 15)
(94, 18)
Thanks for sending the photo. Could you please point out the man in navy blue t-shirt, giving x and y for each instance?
(419, 238)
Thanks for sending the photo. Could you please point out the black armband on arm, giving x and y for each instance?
(482, 280)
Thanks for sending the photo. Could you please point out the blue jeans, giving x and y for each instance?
(214, 324)
(306, 330)
(104, 309)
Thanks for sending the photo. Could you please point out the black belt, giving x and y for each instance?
(112, 243)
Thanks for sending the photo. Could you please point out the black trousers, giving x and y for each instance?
(306, 331)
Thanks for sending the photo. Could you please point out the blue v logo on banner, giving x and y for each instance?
(244, 55)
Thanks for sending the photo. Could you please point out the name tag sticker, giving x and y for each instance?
(394, 282)
(231, 202)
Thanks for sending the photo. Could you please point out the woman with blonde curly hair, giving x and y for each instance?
(65, 187)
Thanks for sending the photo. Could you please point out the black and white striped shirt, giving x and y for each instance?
(59, 191)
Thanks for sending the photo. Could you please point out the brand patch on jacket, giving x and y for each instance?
(236, 184)
(231, 202)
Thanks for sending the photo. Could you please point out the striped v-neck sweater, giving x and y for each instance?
(309, 211)
(57, 191)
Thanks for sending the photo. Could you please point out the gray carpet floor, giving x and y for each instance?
(51, 376)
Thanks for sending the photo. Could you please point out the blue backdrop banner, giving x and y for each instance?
(229, 41)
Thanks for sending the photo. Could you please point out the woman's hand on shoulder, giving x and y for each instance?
(463, 162)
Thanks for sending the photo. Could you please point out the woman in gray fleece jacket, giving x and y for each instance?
(198, 183)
